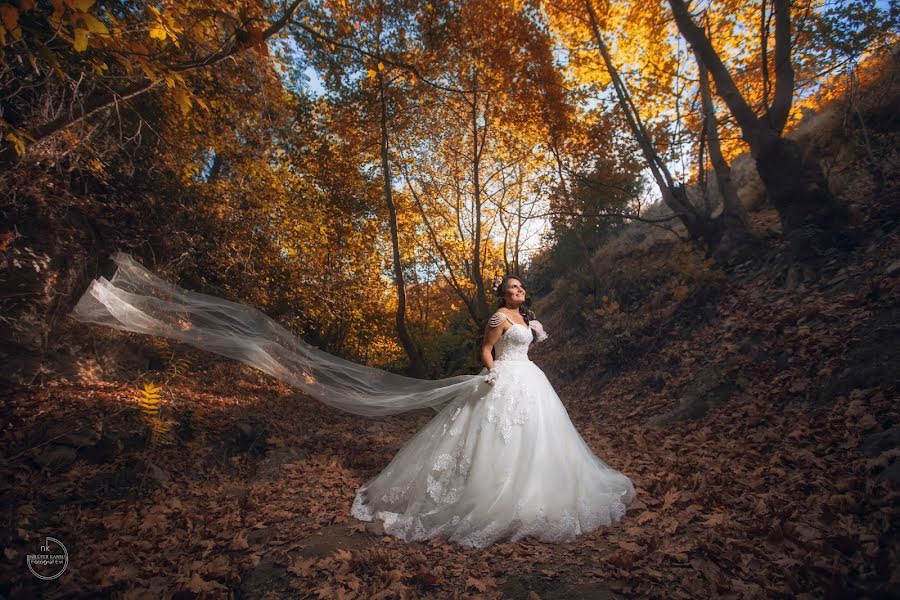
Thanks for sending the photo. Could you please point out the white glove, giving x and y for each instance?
(491, 376)
(538, 329)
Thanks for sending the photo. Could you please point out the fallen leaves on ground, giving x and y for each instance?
(770, 494)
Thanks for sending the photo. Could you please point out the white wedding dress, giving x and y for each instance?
(497, 466)
(496, 463)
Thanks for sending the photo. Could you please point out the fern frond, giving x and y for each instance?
(178, 366)
(149, 399)
(161, 430)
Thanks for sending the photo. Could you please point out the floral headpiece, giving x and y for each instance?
(496, 284)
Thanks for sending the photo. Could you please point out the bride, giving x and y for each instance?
(501, 465)
(500, 461)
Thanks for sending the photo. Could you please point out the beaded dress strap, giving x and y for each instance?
(498, 318)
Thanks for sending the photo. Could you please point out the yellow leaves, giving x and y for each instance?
(158, 31)
(16, 137)
(17, 142)
(372, 73)
(183, 100)
(98, 67)
(160, 428)
(80, 42)
(94, 25)
(145, 67)
(149, 399)
(84, 25)
(149, 402)
(55, 19)
(164, 26)
(170, 80)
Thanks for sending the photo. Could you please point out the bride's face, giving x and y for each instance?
(515, 291)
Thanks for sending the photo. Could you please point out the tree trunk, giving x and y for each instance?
(778, 114)
(416, 361)
(735, 237)
(812, 218)
(477, 278)
(216, 169)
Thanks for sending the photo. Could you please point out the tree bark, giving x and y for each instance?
(735, 236)
(477, 145)
(778, 114)
(216, 169)
(812, 218)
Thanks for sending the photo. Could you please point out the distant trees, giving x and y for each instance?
(666, 99)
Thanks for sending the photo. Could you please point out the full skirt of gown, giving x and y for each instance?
(497, 466)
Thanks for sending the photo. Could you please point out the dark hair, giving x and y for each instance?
(500, 292)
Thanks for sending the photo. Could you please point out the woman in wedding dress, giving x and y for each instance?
(502, 465)
(500, 461)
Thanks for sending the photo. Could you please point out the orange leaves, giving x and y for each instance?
(9, 23)
(302, 567)
(199, 585)
(630, 547)
(480, 584)
(183, 100)
(669, 499)
(252, 37)
(715, 519)
(239, 541)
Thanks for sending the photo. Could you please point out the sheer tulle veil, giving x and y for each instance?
(135, 299)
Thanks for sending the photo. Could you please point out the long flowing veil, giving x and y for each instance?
(135, 299)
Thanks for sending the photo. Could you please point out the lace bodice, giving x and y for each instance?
(514, 343)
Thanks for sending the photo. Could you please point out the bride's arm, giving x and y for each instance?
(491, 335)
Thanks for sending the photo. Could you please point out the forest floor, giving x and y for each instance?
(763, 445)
